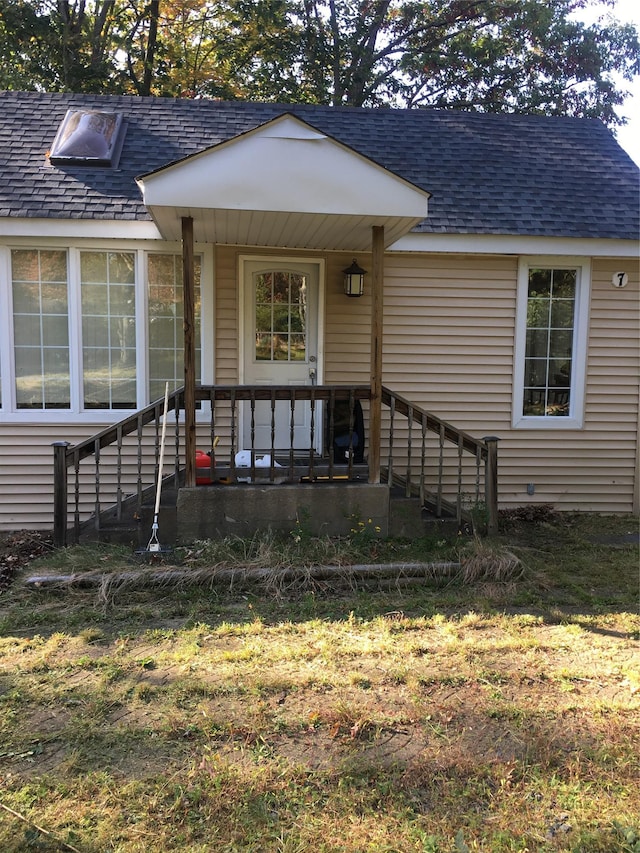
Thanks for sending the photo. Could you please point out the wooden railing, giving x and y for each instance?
(116, 470)
(450, 471)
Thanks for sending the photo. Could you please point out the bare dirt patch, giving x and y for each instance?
(17, 550)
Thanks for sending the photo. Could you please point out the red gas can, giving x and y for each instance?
(203, 468)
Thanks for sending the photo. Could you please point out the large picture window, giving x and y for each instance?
(92, 330)
(551, 343)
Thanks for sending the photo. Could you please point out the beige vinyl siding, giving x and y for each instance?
(347, 325)
(26, 472)
(449, 346)
(449, 336)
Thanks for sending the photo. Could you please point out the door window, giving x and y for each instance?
(280, 316)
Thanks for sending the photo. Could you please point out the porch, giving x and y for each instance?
(108, 482)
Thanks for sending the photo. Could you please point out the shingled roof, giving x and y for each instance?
(488, 174)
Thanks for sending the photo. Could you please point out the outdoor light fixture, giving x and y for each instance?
(354, 280)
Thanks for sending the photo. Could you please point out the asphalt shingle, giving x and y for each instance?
(488, 174)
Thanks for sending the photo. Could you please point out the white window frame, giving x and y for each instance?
(575, 418)
(9, 413)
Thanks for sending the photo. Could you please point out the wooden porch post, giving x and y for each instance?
(60, 493)
(375, 410)
(491, 483)
(188, 285)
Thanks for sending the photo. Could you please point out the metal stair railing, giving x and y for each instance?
(449, 470)
(112, 471)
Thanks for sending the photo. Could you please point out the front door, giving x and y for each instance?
(280, 347)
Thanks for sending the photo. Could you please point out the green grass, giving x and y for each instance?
(496, 715)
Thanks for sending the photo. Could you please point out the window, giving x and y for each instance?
(87, 138)
(108, 299)
(553, 300)
(92, 331)
(281, 316)
(166, 332)
(41, 329)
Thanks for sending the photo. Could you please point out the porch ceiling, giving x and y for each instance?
(284, 184)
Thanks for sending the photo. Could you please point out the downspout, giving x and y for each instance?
(375, 403)
(188, 282)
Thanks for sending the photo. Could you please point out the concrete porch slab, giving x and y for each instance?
(321, 509)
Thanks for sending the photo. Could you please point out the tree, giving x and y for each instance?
(26, 51)
(489, 55)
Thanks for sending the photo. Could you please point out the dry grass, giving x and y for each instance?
(495, 712)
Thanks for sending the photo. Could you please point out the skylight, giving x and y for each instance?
(87, 138)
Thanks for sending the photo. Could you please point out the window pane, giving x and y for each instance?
(122, 335)
(166, 321)
(93, 267)
(108, 326)
(26, 298)
(536, 372)
(25, 265)
(549, 342)
(263, 288)
(298, 349)
(263, 347)
(539, 283)
(95, 332)
(26, 329)
(560, 343)
(280, 316)
(564, 284)
(162, 331)
(562, 314)
(95, 299)
(121, 268)
(41, 328)
(280, 348)
(263, 318)
(53, 266)
(122, 300)
(538, 313)
(55, 331)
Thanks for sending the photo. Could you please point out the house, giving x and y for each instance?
(146, 241)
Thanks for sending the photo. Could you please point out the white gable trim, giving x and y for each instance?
(510, 244)
(72, 229)
(289, 175)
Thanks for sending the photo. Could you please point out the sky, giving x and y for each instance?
(629, 135)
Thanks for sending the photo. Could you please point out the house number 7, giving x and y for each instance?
(619, 279)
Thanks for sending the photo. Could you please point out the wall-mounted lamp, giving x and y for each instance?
(354, 280)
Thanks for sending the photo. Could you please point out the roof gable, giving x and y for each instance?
(280, 168)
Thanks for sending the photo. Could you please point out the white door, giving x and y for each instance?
(280, 347)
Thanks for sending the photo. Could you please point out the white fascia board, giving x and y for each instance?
(508, 244)
(106, 229)
(284, 167)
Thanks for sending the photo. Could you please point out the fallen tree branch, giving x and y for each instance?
(160, 577)
(39, 828)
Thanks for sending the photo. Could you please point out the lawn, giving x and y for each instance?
(329, 713)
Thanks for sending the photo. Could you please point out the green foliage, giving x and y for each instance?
(628, 836)
(493, 55)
